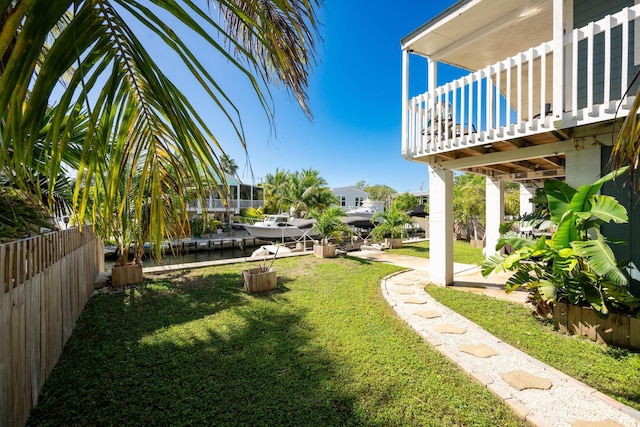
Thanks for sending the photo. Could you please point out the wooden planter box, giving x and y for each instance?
(324, 251)
(479, 244)
(618, 329)
(393, 243)
(260, 279)
(124, 275)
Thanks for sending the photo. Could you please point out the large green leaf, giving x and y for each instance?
(548, 290)
(608, 209)
(559, 195)
(600, 258)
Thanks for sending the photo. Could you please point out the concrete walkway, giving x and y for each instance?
(538, 393)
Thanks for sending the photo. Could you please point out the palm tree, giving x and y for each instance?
(140, 126)
(228, 165)
(626, 147)
(390, 224)
(275, 190)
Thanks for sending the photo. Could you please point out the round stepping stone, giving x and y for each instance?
(606, 423)
(414, 300)
(428, 314)
(403, 282)
(404, 291)
(481, 350)
(521, 380)
(449, 329)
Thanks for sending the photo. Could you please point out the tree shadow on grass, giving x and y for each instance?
(193, 350)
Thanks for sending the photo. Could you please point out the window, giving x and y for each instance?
(343, 200)
(359, 201)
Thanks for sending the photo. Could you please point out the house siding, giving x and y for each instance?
(586, 11)
(629, 232)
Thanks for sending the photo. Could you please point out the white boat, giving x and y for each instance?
(266, 250)
(280, 227)
(366, 210)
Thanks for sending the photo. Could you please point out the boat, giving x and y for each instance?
(366, 210)
(281, 227)
(267, 250)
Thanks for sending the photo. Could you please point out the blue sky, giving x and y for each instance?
(355, 97)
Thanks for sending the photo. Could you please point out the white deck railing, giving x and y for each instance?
(513, 98)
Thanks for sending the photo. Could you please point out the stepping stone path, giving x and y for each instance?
(428, 314)
(552, 401)
(521, 380)
(414, 300)
(605, 423)
(403, 282)
(449, 329)
(481, 350)
(404, 291)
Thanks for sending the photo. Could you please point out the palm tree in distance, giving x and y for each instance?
(135, 114)
(228, 165)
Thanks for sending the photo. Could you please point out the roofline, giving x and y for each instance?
(432, 22)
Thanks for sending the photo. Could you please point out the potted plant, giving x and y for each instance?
(391, 227)
(126, 232)
(329, 225)
(262, 278)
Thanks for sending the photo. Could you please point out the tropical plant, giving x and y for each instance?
(405, 202)
(329, 224)
(201, 226)
(390, 223)
(576, 264)
(228, 164)
(626, 147)
(381, 193)
(299, 192)
(275, 188)
(139, 125)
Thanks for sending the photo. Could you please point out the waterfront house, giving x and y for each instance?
(539, 94)
(349, 197)
(237, 195)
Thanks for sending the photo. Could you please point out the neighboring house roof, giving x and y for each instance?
(351, 189)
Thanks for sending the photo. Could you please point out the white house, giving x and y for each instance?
(239, 196)
(350, 197)
(540, 95)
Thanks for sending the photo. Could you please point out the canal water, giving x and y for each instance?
(185, 258)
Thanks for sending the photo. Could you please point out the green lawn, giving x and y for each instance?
(612, 371)
(194, 349)
(462, 251)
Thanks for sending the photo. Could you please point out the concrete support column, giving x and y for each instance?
(495, 214)
(441, 226)
(527, 192)
(583, 163)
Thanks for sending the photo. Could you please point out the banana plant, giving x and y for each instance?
(577, 263)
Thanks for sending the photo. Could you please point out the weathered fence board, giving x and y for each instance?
(45, 282)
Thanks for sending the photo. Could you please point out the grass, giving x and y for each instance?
(462, 251)
(612, 371)
(194, 348)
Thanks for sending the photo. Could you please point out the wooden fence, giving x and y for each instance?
(45, 282)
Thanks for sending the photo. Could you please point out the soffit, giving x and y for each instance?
(474, 34)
